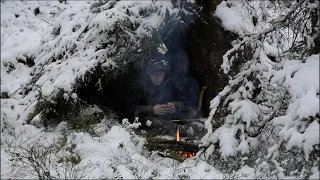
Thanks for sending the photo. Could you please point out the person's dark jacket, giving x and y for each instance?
(146, 95)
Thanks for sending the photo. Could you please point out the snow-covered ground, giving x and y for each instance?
(118, 151)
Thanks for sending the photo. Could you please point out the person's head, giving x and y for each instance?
(157, 70)
(157, 77)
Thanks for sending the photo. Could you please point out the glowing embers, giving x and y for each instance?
(175, 146)
(186, 154)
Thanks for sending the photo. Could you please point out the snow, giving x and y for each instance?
(118, 149)
(293, 84)
(245, 110)
(243, 146)
(227, 63)
(5, 164)
(246, 173)
(21, 37)
(232, 19)
(20, 43)
(315, 173)
(228, 144)
(148, 123)
(117, 152)
(302, 82)
(311, 137)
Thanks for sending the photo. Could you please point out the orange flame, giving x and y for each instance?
(185, 154)
(178, 133)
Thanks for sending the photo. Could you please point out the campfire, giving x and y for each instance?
(186, 154)
(179, 147)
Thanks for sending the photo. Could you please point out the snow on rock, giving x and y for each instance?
(246, 173)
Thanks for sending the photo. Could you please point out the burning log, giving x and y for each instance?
(177, 144)
(181, 147)
(163, 144)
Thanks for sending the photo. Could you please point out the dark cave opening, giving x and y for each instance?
(109, 93)
(195, 55)
(195, 58)
(114, 94)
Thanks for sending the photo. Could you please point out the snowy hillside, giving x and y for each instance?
(30, 35)
(48, 47)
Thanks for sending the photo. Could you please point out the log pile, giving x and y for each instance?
(180, 148)
(163, 144)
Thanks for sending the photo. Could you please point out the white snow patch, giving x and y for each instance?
(302, 82)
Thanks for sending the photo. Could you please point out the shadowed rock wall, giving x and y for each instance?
(207, 43)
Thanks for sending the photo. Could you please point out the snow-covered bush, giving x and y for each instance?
(81, 39)
(268, 115)
(30, 152)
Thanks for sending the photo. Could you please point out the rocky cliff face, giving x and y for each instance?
(207, 42)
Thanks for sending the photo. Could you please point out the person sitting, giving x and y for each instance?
(158, 98)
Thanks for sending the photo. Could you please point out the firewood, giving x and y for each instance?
(162, 144)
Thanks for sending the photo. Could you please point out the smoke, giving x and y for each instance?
(173, 36)
(171, 42)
